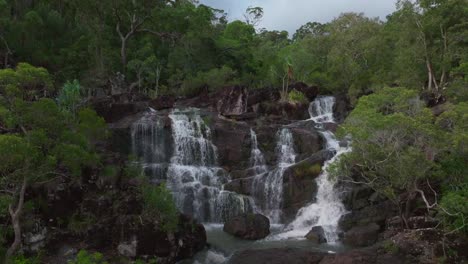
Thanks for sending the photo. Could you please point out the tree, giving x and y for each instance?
(395, 147)
(45, 141)
(253, 15)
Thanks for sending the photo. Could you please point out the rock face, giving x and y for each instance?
(277, 256)
(361, 236)
(233, 101)
(162, 102)
(299, 185)
(248, 226)
(316, 235)
(145, 238)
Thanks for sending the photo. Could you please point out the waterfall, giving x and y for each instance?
(190, 168)
(328, 208)
(151, 144)
(257, 160)
(321, 109)
(269, 186)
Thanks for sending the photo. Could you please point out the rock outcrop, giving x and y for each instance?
(316, 235)
(248, 226)
(361, 236)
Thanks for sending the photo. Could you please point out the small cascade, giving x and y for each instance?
(152, 144)
(269, 186)
(321, 109)
(257, 160)
(189, 167)
(328, 208)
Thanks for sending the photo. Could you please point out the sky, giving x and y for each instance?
(291, 14)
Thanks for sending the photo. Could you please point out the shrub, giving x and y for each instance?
(159, 203)
(297, 97)
(84, 257)
(69, 97)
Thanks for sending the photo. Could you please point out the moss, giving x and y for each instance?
(390, 247)
(296, 96)
(307, 170)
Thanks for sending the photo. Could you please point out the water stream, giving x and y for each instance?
(185, 157)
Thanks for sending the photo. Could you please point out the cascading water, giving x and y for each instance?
(257, 160)
(328, 208)
(191, 172)
(269, 186)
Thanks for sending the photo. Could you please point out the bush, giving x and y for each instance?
(84, 257)
(297, 97)
(453, 210)
(212, 79)
(69, 97)
(159, 203)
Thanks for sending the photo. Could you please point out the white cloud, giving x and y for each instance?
(291, 14)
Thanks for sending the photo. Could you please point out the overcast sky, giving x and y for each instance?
(291, 14)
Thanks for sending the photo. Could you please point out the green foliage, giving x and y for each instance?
(159, 203)
(80, 224)
(92, 126)
(211, 80)
(84, 257)
(395, 143)
(297, 97)
(69, 97)
(390, 247)
(454, 209)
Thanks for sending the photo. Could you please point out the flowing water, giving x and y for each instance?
(268, 186)
(185, 157)
(328, 208)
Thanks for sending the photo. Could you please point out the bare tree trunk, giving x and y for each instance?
(15, 215)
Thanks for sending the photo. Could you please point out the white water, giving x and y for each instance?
(268, 187)
(257, 160)
(328, 208)
(186, 159)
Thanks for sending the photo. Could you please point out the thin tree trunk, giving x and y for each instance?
(15, 220)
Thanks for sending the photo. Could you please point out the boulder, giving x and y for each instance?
(233, 101)
(240, 186)
(341, 108)
(128, 250)
(361, 236)
(310, 92)
(316, 235)
(277, 256)
(248, 226)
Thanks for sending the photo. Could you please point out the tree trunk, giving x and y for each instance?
(123, 54)
(15, 220)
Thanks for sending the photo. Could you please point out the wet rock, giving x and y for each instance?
(277, 256)
(248, 226)
(240, 186)
(233, 142)
(299, 185)
(128, 250)
(361, 236)
(233, 101)
(162, 102)
(316, 235)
